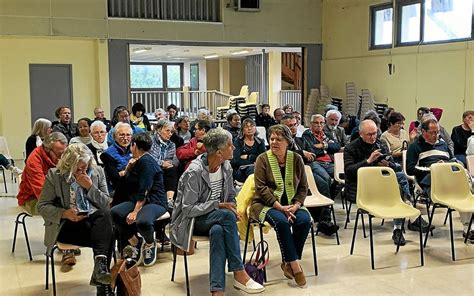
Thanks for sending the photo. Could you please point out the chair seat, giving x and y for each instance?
(314, 201)
(164, 216)
(461, 205)
(64, 246)
(400, 210)
(200, 238)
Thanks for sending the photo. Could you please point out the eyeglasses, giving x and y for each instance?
(99, 133)
(317, 122)
(125, 135)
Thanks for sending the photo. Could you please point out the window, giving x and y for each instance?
(159, 76)
(447, 20)
(194, 79)
(410, 27)
(382, 23)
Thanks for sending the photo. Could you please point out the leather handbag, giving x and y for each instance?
(255, 267)
(126, 277)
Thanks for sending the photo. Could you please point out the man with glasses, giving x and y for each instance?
(100, 116)
(332, 129)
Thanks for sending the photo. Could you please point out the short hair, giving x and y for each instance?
(163, 123)
(364, 122)
(287, 117)
(54, 137)
(230, 117)
(143, 141)
(245, 122)
(425, 125)
(98, 124)
(281, 130)
(59, 110)
(117, 111)
(334, 112)
(86, 119)
(467, 113)
(395, 117)
(387, 111)
(265, 106)
(161, 110)
(216, 139)
(74, 153)
(203, 124)
(315, 116)
(424, 109)
(138, 107)
(296, 112)
(287, 106)
(40, 128)
(120, 125)
(372, 115)
(171, 106)
(97, 109)
(275, 111)
(203, 111)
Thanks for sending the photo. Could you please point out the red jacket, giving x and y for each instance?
(186, 153)
(34, 174)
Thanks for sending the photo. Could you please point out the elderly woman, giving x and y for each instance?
(115, 160)
(74, 204)
(84, 132)
(182, 129)
(146, 202)
(247, 147)
(138, 117)
(98, 143)
(206, 200)
(164, 152)
(281, 188)
(195, 147)
(395, 135)
(233, 124)
(41, 129)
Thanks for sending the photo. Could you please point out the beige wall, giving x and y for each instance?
(237, 75)
(89, 73)
(296, 21)
(427, 75)
(212, 74)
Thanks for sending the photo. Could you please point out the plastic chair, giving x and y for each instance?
(6, 152)
(316, 199)
(20, 219)
(339, 175)
(50, 257)
(262, 134)
(378, 196)
(450, 189)
(470, 164)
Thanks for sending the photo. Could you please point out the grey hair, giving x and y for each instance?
(202, 111)
(372, 115)
(98, 124)
(74, 153)
(334, 112)
(245, 122)
(120, 125)
(163, 123)
(282, 130)
(52, 138)
(216, 139)
(316, 116)
(364, 122)
(161, 110)
(40, 128)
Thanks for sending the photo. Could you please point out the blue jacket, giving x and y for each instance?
(330, 147)
(115, 159)
(110, 134)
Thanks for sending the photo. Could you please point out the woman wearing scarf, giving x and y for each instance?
(74, 204)
(139, 118)
(280, 190)
(83, 132)
(98, 143)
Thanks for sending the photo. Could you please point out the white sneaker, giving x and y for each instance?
(251, 287)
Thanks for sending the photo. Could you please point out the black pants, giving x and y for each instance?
(95, 232)
(170, 178)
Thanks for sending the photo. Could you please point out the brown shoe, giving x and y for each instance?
(69, 258)
(287, 271)
(300, 279)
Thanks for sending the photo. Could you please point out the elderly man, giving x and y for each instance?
(122, 115)
(461, 133)
(65, 124)
(428, 149)
(99, 115)
(332, 129)
(367, 150)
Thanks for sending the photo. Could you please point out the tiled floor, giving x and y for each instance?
(339, 273)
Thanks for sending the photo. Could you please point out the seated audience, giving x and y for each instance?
(288, 109)
(40, 130)
(195, 147)
(74, 204)
(182, 129)
(122, 115)
(280, 190)
(422, 111)
(372, 115)
(6, 163)
(395, 136)
(139, 118)
(65, 124)
(146, 202)
(332, 129)
(83, 132)
(164, 152)
(384, 122)
(461, 134)
(264, 118)
(100, 116)
(206, 198)
(278, 114)
(98, 143)
(172, 112)
(425, 151)
(233, 124)
(247, 147)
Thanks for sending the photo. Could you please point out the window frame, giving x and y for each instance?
(373, 10)
(398, 29)
(164, 73)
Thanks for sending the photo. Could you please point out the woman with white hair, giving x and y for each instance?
(205, 205)
(41, 129)
(98, 143)
(74, 204)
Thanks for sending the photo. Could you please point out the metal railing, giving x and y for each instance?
(292, 97)
(176, 10)
(188, 102)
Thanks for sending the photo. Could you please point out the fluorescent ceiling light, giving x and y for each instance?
(211, 56)
(239, 52)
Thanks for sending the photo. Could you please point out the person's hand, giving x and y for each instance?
(287, 210)
(71, 215)
(319, 145)
(131, 163)
(384, 163)
(122, 173)
(229, 206)
(397, 154)
(309, 156)
(471, 125)
(413, 134)
(244, 156)
(167, 164)
(84, 180)
(199, 145)
(374, 156)
(131, 217)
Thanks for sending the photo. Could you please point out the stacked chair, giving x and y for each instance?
(234, 101)
(249, 108)
(367, 102)
(312, 100)
(351, 106)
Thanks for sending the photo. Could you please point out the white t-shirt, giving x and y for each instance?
(217, 182)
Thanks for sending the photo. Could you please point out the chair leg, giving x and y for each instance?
(47, 271)
(26, 236)
(371, 243)
(246, 241)
(173, 249)
(17, 221)
(315, 260)
(429, 224)
(383, 221)
(453, 255)
(53, 275)
(4, 181)
(334, 221)
(363, 225)
(261, 242)
(355, 230)
(348, 212)
(421, 246)
(188, 293)
(400, 238)
(468, 229)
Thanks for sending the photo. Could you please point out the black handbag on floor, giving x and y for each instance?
(254, 267)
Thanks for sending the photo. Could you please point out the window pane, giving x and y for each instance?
(410, 30)
(383, 27)
(447, 19)
(174, 76)
(194, 69)
(146, 76)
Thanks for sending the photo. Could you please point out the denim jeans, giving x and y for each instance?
(291, 237)
(143, 224)
(221, 227)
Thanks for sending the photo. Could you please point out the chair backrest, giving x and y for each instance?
(311, 182)
(404, 161)
(244, 91)
(253, 98)
(300, 130)
(470, 164)
(262, 134)
(448, 181)
(4, 148)
(377, 186)
(338, 166)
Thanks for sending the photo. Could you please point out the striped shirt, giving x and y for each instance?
(217, 182)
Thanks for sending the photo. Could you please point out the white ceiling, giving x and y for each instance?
(180, 54)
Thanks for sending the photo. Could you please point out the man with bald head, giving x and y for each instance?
(366, 151)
